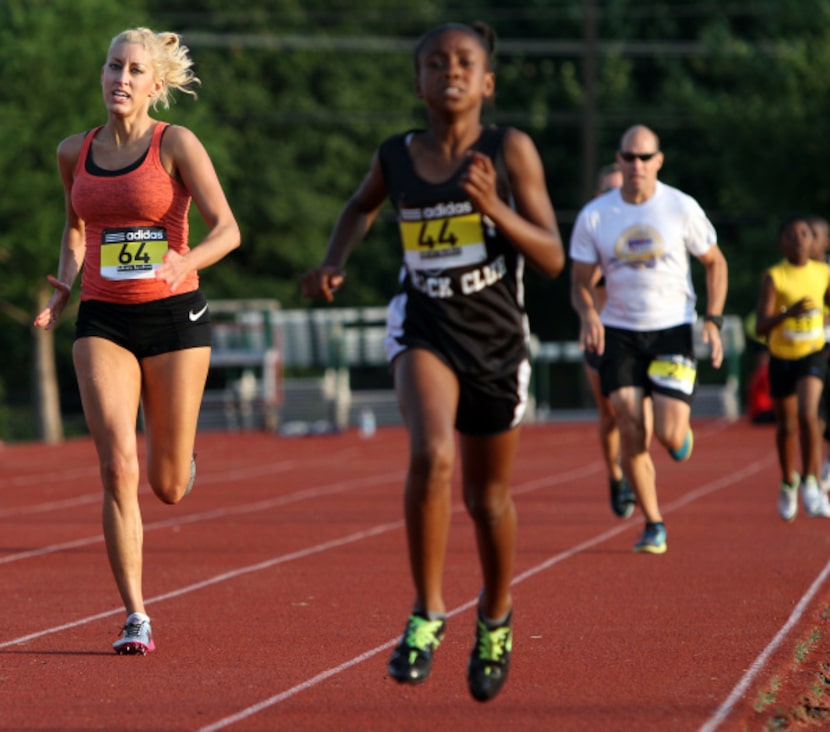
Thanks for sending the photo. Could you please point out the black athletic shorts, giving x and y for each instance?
(487, 404)
(493, 405)
(785, 373)
(592, 359)
(148, 329)
(824, 404)
(658, 361)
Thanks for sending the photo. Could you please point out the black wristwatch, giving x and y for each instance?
(716, 319)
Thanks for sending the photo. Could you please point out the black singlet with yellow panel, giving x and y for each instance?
(461, 290)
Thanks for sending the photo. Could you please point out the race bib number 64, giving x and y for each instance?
(132, 253)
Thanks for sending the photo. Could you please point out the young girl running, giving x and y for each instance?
(472, 204)
(790, 316)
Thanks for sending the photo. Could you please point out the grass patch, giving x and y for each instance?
(767, 696)
(801, 696)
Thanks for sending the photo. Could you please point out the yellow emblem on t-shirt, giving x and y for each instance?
(638, 244)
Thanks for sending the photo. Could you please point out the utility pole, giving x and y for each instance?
(47, 395)
(589, 106)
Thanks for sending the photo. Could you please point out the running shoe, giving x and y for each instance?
(788, 499)
(684, 452)
(815, 500)
(810, 494)
(136, 637)
(825, 475)
(653, 540)
(622, 498)
(490, 659)
(411, 661)
(192, 476)
(822, 509)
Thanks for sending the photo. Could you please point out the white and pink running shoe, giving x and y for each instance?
(136, 636)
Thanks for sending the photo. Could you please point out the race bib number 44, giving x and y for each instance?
(442, 243)
(132, 253)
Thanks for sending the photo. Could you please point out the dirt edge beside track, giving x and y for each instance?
(794, 694)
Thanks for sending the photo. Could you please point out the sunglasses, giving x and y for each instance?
(630, 157)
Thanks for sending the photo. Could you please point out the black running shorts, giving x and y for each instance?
(493, 405)
(592, 359)
(658, 361)
(148, 329)
(488, 404)
(784, 374)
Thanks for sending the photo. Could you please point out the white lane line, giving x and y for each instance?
(704, 490)
(226, 476)
(219, 513)
(759, 663)
(59, 476)
(720, 715)
(282, 559)
(92, 473)
(217, 579)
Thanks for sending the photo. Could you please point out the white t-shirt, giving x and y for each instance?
(643, 251)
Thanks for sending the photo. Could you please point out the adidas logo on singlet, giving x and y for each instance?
(439, 211)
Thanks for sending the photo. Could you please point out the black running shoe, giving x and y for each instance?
(411, 661)
(489, 660)
(623, 499)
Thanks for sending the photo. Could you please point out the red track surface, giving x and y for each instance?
(278, 588)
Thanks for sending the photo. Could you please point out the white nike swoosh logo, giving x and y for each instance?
(195, 316)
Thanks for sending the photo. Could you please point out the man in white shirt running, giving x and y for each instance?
(641, 237)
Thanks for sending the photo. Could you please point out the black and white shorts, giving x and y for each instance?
(488, 404)
(492, 405)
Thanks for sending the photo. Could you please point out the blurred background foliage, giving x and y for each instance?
(297, 94)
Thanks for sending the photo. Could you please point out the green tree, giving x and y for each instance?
(49, 78)
(297, 95)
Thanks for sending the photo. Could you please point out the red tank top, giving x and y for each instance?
(131, 220)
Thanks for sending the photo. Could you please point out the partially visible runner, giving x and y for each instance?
(622, 498)
(472, 204)
(819, 252)
(143, 331)
(642, 237)
(790, 315)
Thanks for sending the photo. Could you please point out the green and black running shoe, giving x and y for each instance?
(489, 660)
(411, 660)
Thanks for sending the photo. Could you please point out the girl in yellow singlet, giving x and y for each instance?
(790, 315)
